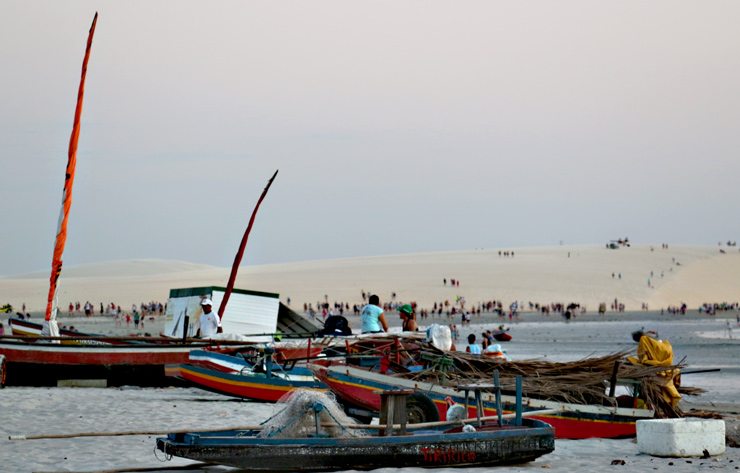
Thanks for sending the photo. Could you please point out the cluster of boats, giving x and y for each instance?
(357, 372)
(412, 385)
(273, 371)
(311, 434)
(365, 374)
(360, 371)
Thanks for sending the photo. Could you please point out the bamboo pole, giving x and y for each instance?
(259, 427)
(121, 434)
(153, 340)
(133, 470)
(426, 425)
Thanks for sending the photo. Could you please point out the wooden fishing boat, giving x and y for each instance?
(502, 335)
(45, 361)
(259, 379)
(431, 448)
(331, 446)
(357, 388)
(26, 328)
(34, 360)
(266, 373)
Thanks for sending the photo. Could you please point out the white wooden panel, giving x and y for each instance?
(248, 314)
(177, 308)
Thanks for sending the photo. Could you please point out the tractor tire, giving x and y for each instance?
(420, 408)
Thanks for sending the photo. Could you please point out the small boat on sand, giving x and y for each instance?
(312, 434)
(433, 448)
(260, 379)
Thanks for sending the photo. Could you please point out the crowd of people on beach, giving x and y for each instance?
(679, 309)
(137, 314)
(113, 309)
(450, 309)
(712, 308)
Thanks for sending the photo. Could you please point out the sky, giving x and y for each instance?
(396, 127)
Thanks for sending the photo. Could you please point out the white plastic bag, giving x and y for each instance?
(440, 336)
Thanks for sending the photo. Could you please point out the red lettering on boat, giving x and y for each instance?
(451, 455)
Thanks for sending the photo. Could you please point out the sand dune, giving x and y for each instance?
(690, 274)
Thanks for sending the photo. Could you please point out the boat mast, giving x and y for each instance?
(240, 253)
(50, 326)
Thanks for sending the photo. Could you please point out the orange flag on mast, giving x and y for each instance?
(56, 264)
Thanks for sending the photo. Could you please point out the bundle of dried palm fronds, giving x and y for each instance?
(584, 381)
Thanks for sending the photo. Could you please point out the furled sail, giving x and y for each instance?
(50, 324)
(240, 253)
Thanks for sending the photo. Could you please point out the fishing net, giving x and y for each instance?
(309, 413)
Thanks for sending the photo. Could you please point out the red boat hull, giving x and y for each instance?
(572, 424)
(44, 364)
(255, 388)
(501, 336)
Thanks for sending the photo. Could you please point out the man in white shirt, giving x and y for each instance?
(209, 321)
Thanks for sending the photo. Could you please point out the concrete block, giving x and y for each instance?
(687, 437)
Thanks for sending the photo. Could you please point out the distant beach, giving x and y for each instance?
(588, 275)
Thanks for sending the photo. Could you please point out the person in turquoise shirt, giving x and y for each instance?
(373, 317)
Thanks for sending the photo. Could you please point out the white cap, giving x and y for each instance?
(206, 302)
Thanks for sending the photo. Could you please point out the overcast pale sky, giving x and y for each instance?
(397, 127)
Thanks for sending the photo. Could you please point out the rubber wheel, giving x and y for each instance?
(3, 371)
(355, 413)
(420, 408)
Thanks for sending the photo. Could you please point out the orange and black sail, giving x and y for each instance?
(56, 265)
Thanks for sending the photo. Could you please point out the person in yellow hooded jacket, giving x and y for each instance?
(652, 352)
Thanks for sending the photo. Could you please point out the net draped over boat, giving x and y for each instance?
(302, 410)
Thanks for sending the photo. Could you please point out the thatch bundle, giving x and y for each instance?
(584, 381)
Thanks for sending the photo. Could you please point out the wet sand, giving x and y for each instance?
(702, 340)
